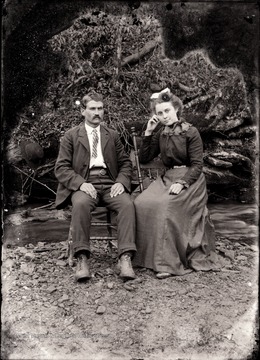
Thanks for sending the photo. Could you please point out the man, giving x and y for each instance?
(93, 166)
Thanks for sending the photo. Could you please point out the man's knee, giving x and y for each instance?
(127, 204)
(126, 200)
(82, 201)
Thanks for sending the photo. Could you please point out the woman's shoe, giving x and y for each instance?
(163, 275)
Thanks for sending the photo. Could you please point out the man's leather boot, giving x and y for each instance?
(82, 269)
(125, 266)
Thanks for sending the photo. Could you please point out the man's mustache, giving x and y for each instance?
(96, 117)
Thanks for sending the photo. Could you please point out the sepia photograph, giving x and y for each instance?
(130, 180)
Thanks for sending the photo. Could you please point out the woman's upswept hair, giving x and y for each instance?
(165, 97)
(91, 96)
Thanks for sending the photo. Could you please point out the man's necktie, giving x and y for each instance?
(94, 144)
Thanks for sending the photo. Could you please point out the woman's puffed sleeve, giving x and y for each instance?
(195, 153)
(149, 148)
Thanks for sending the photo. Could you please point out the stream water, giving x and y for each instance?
(238, 222)
(235, 220)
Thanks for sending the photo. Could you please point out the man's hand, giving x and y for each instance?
(176, 188)
(117, 189)
(89, 189)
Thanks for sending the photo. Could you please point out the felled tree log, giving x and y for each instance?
(243, 132)
(228, 124)
(228, 143)
(223, 177)
(133, 58)
(198, 100)
(219, 163)
(236, 159)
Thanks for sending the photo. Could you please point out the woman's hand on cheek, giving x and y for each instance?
(152, 124)
(175, 188)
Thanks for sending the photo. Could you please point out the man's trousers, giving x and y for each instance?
(82, 206)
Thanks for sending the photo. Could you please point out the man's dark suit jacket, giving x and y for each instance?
(72, 165)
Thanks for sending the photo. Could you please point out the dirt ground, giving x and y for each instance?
(202, 315)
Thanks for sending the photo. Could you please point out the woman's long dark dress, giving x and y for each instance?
(174, 232)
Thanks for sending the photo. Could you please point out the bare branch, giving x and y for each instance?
(47, 187)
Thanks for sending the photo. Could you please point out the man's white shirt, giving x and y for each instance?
(99, 160)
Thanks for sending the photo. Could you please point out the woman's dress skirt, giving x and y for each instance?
(174, 232)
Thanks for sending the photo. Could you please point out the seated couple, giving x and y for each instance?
(167, 227)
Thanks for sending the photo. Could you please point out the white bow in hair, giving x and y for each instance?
(156, 95)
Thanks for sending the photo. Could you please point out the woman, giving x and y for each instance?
(174, 232)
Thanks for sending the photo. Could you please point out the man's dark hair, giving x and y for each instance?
(91, 96)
